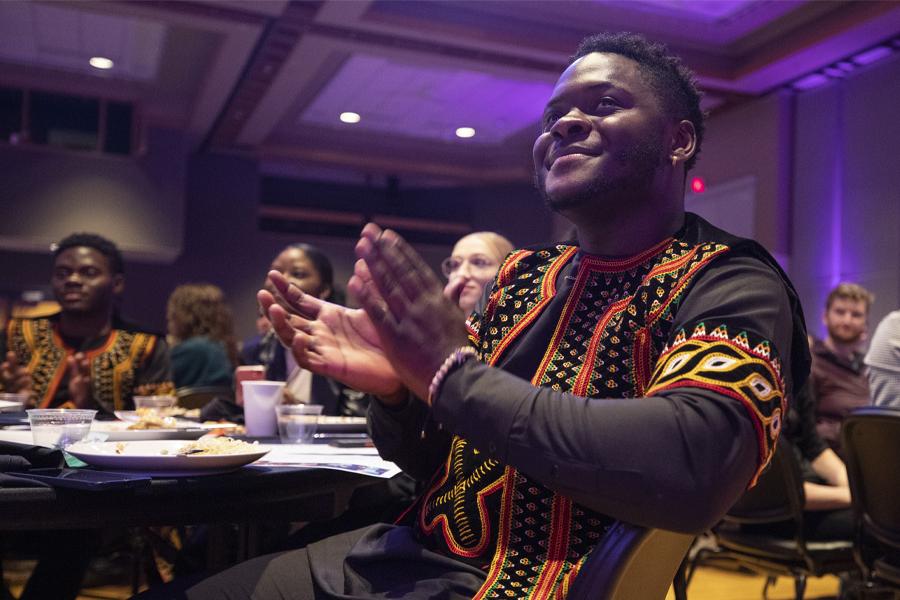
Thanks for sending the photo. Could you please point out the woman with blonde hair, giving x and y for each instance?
(201, 332)
(472, 265)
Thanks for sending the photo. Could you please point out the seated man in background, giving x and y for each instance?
(640, 376)
(883, 360)
(838, 382)
(85, 356)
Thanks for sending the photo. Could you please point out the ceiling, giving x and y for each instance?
(269, 78)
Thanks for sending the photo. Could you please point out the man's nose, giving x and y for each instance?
(572, 123)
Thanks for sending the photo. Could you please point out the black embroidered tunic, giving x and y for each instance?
(648, 389)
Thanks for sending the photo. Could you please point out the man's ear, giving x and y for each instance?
(684, 142)
(118, 284)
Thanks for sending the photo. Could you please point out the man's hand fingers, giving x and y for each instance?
(293, 298)
(371, 302)
(453, 289)
(383, 277)
(278, 316)
(425, 277)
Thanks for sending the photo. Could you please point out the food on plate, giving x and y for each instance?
(216, 445)
(150, 419)
(204, 446)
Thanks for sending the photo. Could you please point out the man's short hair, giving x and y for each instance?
(850, 291)
(98, 243)
(673, 82)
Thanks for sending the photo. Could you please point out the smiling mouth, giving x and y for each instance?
(570, 157)
(570, 154)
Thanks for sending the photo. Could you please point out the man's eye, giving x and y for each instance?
(299, 274)
(480, 262)
(607, 102)
(550, 119)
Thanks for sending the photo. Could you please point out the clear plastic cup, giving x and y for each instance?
(9, 400)
(156, 402)
(297, 423)
(59, 427)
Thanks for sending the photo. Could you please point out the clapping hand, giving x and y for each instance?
(15, 377)
(330, 340)
(79, 368)
(418, 327)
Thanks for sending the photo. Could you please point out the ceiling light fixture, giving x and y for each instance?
(101, 62)
(839, 69)
(465, 132)
(350, 117)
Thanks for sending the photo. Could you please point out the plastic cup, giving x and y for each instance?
(260, 398)
(297, 423)
(20, 398)
(155, 402)
(59, 427)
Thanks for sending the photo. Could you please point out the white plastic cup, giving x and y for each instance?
(260, 399)
(297, 423)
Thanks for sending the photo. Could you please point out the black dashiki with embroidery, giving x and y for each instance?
(121, 362)
(648, 389)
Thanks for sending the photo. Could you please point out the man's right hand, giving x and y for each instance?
(15, 377)
(330, 340)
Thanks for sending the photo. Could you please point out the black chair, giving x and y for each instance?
(631, 563)
(200, 396)
(871, 442)
(778, 498)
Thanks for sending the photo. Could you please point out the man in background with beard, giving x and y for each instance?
(838, 382)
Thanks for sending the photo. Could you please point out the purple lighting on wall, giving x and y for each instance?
(837, 188)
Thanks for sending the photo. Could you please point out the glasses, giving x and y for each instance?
(477, 263)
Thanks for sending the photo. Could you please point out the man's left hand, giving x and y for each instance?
(418, 327)
(79, 380)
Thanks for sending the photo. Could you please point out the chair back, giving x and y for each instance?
(778, 494)
(631, 563)
(199, 396)
(871, 442)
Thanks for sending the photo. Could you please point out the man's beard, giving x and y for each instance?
(643, 158)
(836, 335)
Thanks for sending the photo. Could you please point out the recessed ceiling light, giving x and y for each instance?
(350, 117)
(465, 132)
(101, 62)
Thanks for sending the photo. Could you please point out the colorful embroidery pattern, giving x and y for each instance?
(733, 366)
(607, 343)
(37, 344)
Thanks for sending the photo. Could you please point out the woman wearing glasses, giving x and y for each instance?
(472, 265)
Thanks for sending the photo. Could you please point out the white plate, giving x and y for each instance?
(132, 417)
(117, 431)
(10, 406)
(160, 457)
(327, 424)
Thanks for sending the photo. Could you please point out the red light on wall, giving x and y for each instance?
(698, 186)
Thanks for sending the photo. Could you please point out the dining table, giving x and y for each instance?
(248, 497)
